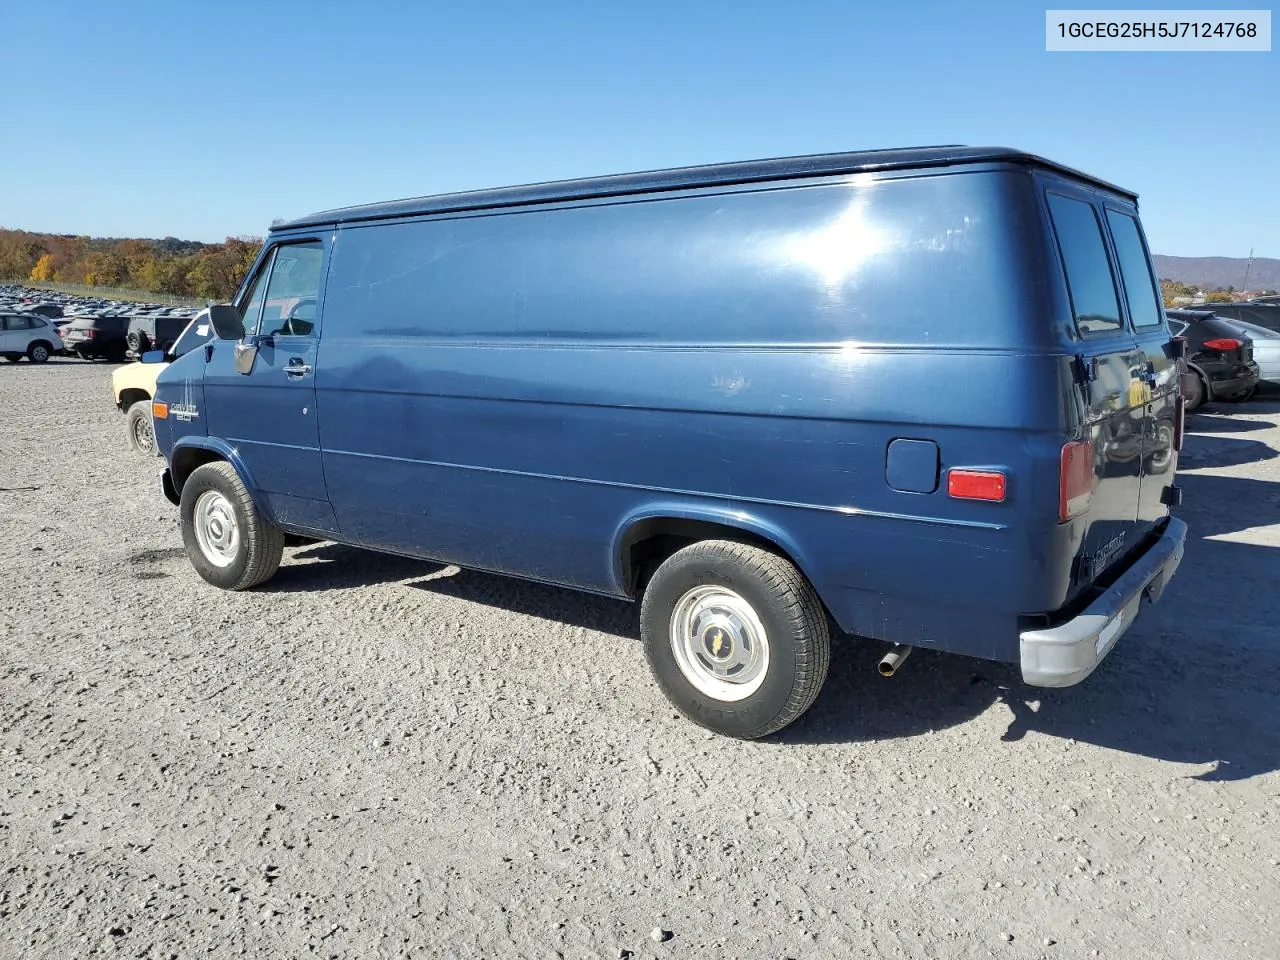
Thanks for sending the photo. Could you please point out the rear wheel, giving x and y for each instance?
(229, 542)
(735, 637)
(1197, 395)
(140, 429)
(38, 352)
(1242, 397)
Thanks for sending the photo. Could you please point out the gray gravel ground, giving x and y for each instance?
(376, 757)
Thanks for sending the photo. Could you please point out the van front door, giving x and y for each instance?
(269, 413)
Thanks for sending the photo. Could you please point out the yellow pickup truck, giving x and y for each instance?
(134, 384)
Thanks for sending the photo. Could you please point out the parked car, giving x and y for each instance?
(671, 388)
(94, 338)
(1259, 312)
(153, 332)
(134, 384)
(27, 335)
(47, 310)
(1266, 352)
(1219, 353)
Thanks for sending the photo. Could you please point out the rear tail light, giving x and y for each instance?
(1075, 479)
(976, 485)
(1223, 343)
(90, 334)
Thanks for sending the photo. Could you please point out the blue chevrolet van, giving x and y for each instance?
(925, 396)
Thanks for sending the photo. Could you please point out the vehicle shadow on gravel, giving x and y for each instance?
(1196, 681)
(1208, 423)
(335, 566)
(1217, 450)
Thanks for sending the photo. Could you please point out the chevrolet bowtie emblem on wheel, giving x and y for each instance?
(717, 642)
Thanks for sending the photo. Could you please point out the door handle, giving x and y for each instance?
(297, 369)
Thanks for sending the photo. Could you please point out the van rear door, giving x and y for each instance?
(1160, 371)
(1102, 468)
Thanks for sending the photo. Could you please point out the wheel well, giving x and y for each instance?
(131, 396)
(185, 462)
(651, 541)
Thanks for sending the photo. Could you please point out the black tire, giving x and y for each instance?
(1197, 398)
(796, 637)
(254, 555)
(39, 351)
(139, 428)
(138, 342)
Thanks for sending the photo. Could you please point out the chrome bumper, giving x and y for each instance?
(1064, 655)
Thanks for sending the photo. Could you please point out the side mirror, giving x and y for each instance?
(227, 324)
(154, 356)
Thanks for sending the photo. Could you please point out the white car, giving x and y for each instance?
(1266, 350)
(27, 335)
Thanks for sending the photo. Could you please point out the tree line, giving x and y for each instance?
(182, 268)
(1170, 289)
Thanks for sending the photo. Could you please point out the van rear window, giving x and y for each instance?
(1084, 258)
(1135, 270)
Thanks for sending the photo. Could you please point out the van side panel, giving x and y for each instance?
(507, 391)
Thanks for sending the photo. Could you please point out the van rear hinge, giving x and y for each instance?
(1084, 368)
(1171, 496)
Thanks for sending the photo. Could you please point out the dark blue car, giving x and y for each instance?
(926, 396)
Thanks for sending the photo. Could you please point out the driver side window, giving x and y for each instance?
(289, 308)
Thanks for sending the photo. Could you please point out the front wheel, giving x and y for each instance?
(140, 429)
(736, 637)
(229, 542)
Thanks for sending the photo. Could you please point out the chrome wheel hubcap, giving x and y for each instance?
(719, 643)
(142, 433)
(39, 354)
(217, 532)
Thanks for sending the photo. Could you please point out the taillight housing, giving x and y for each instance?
(1075, 479)
(1223, 343)
(90, 333)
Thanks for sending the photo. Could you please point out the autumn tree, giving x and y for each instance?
(42, 272)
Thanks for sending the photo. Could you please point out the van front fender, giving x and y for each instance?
(192, 452)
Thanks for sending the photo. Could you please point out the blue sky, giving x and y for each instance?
(206, 120)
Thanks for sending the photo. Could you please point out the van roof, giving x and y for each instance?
(682, 178)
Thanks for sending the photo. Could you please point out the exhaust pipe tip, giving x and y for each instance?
(892, 661)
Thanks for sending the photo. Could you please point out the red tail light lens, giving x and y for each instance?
(90, 334)
(1076, 479)
(976, 485)
(1223, 343)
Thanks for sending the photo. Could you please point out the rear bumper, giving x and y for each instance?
(1234, 380)
(1064, 655)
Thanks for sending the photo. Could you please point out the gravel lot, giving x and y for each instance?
(377, 757)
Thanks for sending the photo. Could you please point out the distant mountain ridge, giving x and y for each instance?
(1215, 273)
